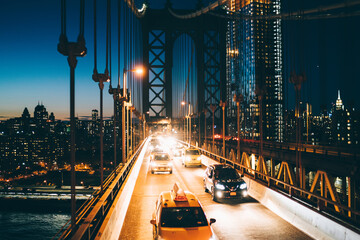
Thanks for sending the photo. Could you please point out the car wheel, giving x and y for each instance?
(152, 172)
(155, 237)
(205, 188)
(171, 172)
(213, 195)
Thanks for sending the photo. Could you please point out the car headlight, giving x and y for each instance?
(213, 237)
(243, 186)
(169, 164)
(220, 186)
(199, 158)
(188, 158)
(153, 164)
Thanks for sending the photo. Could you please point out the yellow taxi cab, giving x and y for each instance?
(192, 157)
(179, 215)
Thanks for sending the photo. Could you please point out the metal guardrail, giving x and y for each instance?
(295, 193)
(92, 213)
(341, 151)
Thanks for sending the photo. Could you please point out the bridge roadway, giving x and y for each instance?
(234, 220)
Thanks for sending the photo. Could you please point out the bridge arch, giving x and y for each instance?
(160, 31)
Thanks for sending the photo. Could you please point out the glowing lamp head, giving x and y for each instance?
(139, 70)
(183, 103)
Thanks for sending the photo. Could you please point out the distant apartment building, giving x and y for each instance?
(254, 62)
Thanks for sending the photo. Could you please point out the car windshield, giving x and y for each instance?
(183, 217)
(192, 152)
(157, 150)
(161, 157)
(226, 173)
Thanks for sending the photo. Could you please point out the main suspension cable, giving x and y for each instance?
(309, 14)
(199, 12)
(296, 15)
(138, 12)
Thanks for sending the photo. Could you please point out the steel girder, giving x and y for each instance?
(160, 30)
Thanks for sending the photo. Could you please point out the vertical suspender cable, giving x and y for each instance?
(107, 36)
(72, 50)
(95, 40)
(109, 31)
(63, 18)
(130, 55)
(119, 40)
(82, 16)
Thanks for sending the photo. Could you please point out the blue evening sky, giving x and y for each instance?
(32, 71)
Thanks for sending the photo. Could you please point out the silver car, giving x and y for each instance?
(161, 162)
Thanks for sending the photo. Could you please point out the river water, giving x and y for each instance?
(32, 218)
(30, 225)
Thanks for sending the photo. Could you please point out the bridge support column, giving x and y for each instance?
(351, 194)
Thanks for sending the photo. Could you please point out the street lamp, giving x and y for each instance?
(298, 80)
(213, 109)
(116, 96)
(238, 99)
(138, 70)
(183, 104)
(189, 114)
(188, 120)
(205, 112)
(223, 105)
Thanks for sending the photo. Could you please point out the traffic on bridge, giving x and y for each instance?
(243, 218)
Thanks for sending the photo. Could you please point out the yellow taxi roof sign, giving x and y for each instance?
(178, 194)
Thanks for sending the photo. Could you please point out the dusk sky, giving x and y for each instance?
(32, 70)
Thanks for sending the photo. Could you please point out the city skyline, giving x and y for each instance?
(32, 69)
(332, 103)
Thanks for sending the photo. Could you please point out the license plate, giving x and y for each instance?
(232, 193)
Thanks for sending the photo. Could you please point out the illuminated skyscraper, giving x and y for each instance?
(94, 115)
(255, 62)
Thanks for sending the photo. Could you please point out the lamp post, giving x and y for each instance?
(223, 105)
(116, 96)
(205, 112)
(144, 126)
(297, 80)
(139, 71)
(189, 114)
(188, 120)
(238, 99)
(132, 108)
(213, 109)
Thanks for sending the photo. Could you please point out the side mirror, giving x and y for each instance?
(212, 220)
(242, 175)
(153, 221)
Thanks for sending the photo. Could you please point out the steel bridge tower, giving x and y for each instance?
(160, 31)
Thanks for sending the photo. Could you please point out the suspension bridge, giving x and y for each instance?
(182, 72)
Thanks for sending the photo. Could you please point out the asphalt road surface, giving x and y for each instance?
(246, 219)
